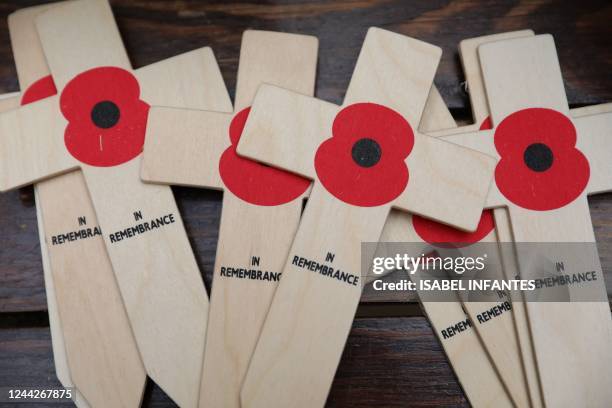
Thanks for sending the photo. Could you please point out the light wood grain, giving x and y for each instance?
(503, 341)
(468, 54)
(467, 350)
(157, 274)
(60, 358)
(523, 73)
(570, 374)
(58, 343)
(310, 315)
(278, 113)
(94, 346)
(497, 335)
(185, 147)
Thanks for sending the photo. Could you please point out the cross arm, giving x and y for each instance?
(447, 182)
(192, 80)
(285, 129)
(183, 147)
(31, 144)
(596, 131)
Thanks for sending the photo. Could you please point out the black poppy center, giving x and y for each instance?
(366, 152)
(538, 157)
(105, 114)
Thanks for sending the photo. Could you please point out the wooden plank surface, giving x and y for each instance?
(385, 363)
(158, 29)
(412, 365)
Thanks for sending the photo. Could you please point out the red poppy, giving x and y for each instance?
(41, 89)
(540, 168)
(363, 163)
(255, 182)
(436, 233)
(106, 118)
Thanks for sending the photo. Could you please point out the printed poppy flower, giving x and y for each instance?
(435, 233)
(540, 168)
(106, 118)
(255, 182)
(41, 89)
(363, 162)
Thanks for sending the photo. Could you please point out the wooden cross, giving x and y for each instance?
(98, 345)
(544, 183)
(312, 310)
(483, 379)
(11, 101)
(496, 334)
(96, 124)
(261, 205)
(101, 357)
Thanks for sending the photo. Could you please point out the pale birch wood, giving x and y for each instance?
(435, 115)
(21, 138)
(58, 345)
(525, 73)
(278, 113)
(12, 101)
(597, 183)
(595, 125)
(285, 60)
(567, 373)
(79, 35)
(510, 268)
(27, 50)
(311, 314)
(184, 147)
(497, 335)
(520, 344)
(8, 102)
(157, 273)
(468, 54)
(466, 352)
(288, 119)
(29, 57)
(100, 354)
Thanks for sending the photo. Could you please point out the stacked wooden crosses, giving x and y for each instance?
(103, 141)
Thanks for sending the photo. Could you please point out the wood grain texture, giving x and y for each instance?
(310, 315)
(162, 286)
(192, 147)
(93, 345)
(395, 362)
(533, 78)
(159, 29)
(153, 30)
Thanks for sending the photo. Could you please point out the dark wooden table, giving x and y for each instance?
(392, 357)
